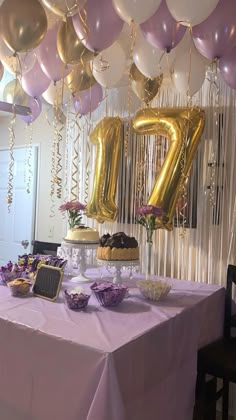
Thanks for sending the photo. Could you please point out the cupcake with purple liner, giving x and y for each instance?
(10, 272)
(76, 299)
(109, 294)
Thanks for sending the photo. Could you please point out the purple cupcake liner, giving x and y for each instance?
(6, 277)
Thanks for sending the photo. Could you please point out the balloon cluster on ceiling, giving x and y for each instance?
(80, 46)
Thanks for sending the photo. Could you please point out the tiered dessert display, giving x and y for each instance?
(118, 251)
(78, 241)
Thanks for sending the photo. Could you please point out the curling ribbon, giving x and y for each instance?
(74, 176)
(133, 35)
(11, 162)
(29, 158)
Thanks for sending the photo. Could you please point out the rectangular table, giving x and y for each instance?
(134, 362)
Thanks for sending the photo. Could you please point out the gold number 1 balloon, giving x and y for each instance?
(107, 137)
(183, 127)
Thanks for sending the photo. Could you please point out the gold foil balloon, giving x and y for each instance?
(22, 24)
(14, 94)
(80, 78)
(183, 127)
(64, 7)
(146, 89)
(70, 48)
(107, 137)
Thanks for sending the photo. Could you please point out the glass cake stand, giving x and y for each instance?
(76, 253)
(118, 266)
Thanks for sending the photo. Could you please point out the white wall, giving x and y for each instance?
(43, 137)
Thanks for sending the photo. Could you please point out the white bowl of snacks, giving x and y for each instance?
(154, 289)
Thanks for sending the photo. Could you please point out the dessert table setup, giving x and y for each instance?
(105, 351)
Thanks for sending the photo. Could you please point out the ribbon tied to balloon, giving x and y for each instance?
(107, 137)
(183, 127)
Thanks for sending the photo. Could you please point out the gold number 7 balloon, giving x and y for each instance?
(183, 127)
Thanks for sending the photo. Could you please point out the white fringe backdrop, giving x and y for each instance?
(201, 251)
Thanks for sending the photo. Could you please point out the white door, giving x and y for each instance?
(19, 224)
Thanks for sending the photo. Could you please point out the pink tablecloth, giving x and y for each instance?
(135, 362)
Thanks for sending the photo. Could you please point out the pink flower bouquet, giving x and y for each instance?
(73, 209)
(146, 216)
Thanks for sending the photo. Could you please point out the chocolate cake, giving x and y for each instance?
(118, 247)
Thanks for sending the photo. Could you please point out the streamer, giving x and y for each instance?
(74, 177)
(29, 158)
(11, 162)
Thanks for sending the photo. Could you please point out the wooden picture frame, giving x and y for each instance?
(48, 282)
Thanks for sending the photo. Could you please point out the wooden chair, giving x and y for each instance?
(218, 359)
(45, 248)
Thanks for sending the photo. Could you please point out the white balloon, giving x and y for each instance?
(20, 64)
(137, 10)
(189, 72)
(1, 71)
(146, 57)
(190, 11)
(108, 67)
(125, 39)
(125, 79)
(4, 50)
(7, 77)
(53, 94)
(63, 7)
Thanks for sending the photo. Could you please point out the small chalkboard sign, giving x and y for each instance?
(48, 282)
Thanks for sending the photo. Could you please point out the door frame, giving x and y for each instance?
(34, 227)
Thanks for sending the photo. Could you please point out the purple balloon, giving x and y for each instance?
(227, 66)
(35, 82)
(162, 30)
(35, 105)
(88, 100)
(216, 36)
(48, 57)
(104, 25)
